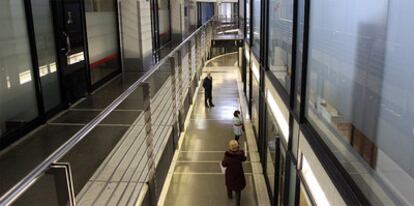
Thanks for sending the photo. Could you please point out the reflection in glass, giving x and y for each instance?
(102, 33)
(164, 21)
(280, 40)
(46, 52)
(291, 188)
(273, 144)
(272, 133)
(299, 53)
(241, 16)
(360, 92)
(248, 29)
(17, 92)
(255, 98)
(256, 26)
(248, 72)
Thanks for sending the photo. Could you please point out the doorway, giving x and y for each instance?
(70, 40)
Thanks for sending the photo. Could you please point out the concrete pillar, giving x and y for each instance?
(136, 35)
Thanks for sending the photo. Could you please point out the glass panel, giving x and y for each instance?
(102, 29)
(292, 184)
(272, 133)
(248, 71)
(44, 191)
(225, 11)
(248, 29)
(255, 97)
(46, 53)
(282, 175)
(17, 92)
(360, 92)
(164, 21)
(280, 40)
(256, 26)
(241, 9)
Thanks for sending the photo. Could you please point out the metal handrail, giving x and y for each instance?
(18, 189)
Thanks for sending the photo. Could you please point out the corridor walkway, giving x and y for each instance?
(197, 178)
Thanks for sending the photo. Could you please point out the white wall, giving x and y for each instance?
(136, 34)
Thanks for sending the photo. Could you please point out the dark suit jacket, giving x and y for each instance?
(208, 85)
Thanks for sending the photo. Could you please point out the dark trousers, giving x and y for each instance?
(208, 99)
(238, 195)
(237, 137)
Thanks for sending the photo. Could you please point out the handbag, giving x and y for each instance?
(223, 169)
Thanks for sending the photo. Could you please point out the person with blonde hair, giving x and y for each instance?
(234, 174)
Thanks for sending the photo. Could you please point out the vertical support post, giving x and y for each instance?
(174, 93)
(190, 71)
(149, 141)
(64, 183)
(180, 89)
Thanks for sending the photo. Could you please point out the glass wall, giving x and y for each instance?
(17, 89)
(280, 40)
(102, 30)
(360, 93)
(256, 26)
(46, 53)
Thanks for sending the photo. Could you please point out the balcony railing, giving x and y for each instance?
(132, 171)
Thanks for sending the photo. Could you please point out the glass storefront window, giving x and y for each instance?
(280, 40)
(360, 92)
(18, 103)
(256, 26)
(101, 24)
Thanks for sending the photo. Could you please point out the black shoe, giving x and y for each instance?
(212, 105)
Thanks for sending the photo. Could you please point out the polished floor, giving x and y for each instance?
(197, 178)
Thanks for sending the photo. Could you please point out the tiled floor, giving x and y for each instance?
(197, 178)
(19, 160)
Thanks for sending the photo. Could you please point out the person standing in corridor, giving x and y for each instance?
(208, 88)
(234, 174)
(237, 125)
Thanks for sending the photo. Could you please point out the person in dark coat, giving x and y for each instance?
(235, 180)
(208, 87)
